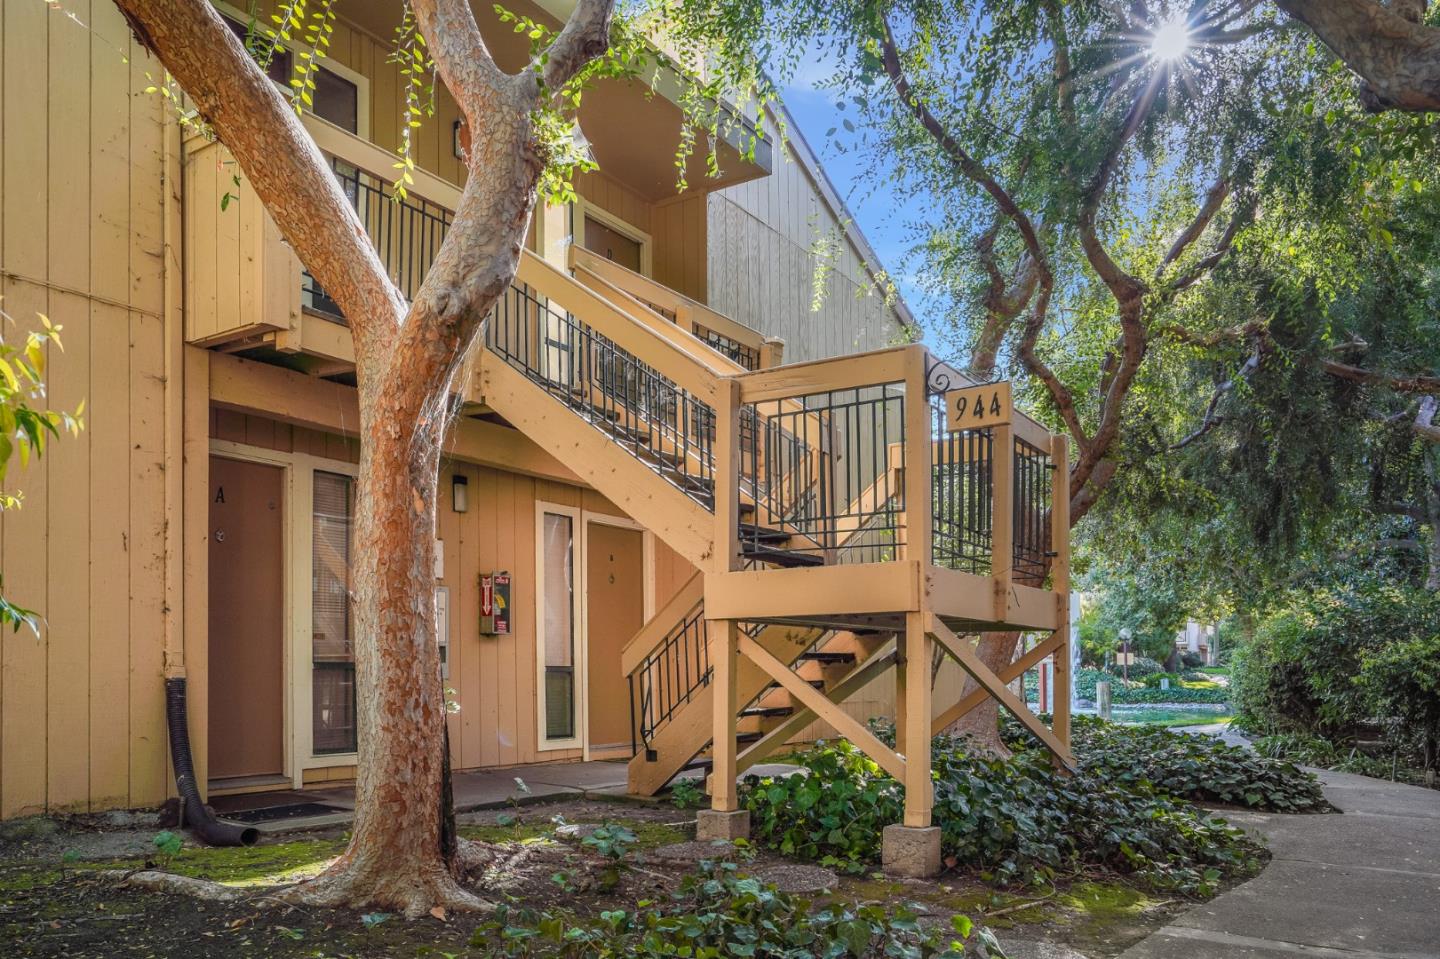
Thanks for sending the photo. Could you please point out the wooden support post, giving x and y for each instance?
(1060, 584)
(915, 710)
(724, 635)
(1002, 521)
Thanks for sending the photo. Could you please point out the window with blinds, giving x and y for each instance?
(332, 638)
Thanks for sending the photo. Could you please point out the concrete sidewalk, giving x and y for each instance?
(474, 790)
(1362, 885)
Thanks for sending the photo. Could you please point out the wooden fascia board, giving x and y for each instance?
(273, 391)
(858, 589)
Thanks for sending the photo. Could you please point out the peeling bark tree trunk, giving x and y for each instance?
(1387, 45)
(399, 855)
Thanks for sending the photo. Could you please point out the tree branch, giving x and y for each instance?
(1399, 382)
(1060, 394)
(289, 174)
(1214, 199)
(968, 165)
(461, 57)
(1211, 420)
(1207, 263)
(586, 36)
(1389, 48)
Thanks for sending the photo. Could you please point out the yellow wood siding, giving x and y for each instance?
(82, 239)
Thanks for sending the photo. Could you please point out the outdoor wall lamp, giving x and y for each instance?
(459, 493)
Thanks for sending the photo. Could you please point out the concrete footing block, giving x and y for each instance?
(711, 824)
(911, 852)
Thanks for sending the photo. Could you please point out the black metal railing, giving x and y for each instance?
(742, 353)
(820, 468)
(669, 677)
(962, 493)
(1033, 473)
(406, 233)
(659, 423)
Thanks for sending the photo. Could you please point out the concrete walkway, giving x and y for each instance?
(1362, 884)
(474, 790)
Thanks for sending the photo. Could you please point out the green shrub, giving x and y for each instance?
(1198, 768)
(1192, 660)
(718, 911)
(1017, 821)
(1175, 694)
(1142, 666)
(1340, 656)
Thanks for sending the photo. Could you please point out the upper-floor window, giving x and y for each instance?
(335, 98)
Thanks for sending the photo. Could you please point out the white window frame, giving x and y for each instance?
(362, 82)
(542, 509)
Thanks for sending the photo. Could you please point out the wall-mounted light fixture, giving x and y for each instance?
(459, 493)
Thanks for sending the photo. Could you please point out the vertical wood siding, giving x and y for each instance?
(82, 233)
(762, 265)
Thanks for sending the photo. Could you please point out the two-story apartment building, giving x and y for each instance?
(200, 526)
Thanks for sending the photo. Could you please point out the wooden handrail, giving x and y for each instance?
(670, 359)
(719, 363)
(687, 311)
(657, 627)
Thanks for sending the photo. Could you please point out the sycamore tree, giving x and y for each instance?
(407, 355)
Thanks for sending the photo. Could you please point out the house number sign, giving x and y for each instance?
(976, 407)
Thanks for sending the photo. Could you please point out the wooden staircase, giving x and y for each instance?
(830, 549)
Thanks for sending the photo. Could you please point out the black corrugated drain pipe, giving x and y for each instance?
(193, 811)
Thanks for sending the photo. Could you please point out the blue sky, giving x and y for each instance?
(885, 218)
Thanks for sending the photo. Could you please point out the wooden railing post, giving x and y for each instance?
(919, 453)
(1002, 519)
(1060, 582)
(772, 353)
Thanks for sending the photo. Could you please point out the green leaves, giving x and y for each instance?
(1018, 822)
(167, 843)
(718, 911)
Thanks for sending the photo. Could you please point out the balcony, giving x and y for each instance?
(247, 292)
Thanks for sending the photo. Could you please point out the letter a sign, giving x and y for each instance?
(977, 407)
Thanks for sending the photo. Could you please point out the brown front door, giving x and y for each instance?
(615, 611)
(247, 717)
(612, 244)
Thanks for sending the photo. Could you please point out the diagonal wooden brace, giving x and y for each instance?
(995, 686)
(856, 679)
(1006, 675)
(816, 701)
